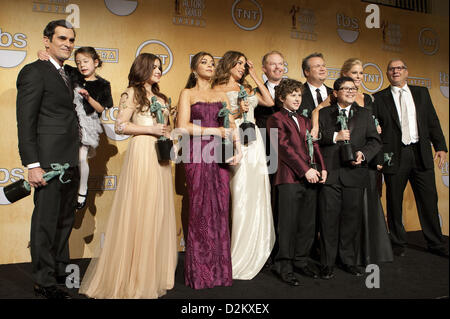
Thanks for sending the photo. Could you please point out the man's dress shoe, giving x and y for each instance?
(51, 292)
(399, 251)
(439, 251)
(307, 271)
(290, 279)
(327, 273)
(353, 270)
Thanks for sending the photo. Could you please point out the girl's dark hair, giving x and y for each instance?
(91, 52)
(192, 80)
(287, 86)
(223, 70)
(338, 83)
(141, 70)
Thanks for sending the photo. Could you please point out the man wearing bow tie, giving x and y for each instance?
(47, 127)
(341, 198)
(409, 126)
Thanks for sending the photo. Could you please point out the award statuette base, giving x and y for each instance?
(225, 152)
(163, 148)
(17, 190)
(247, 132)
(346, 152)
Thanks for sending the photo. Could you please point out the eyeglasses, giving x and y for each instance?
(397, 68)
(347, 89)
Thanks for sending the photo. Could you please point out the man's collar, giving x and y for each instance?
(396, 89)
(56, 64)
(313, 88)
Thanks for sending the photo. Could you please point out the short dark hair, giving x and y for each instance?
(305, 64)
(91, 52)
(338, 83)
(49, 30)
(287, 86)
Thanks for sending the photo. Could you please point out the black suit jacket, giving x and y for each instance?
(363, 137)
(47, 123)
(428, 125)
(308, 101)
(262, 112)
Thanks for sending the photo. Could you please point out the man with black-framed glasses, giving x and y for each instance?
(409, 125)
(344, 125)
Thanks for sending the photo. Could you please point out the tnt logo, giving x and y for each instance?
(11, 54)
(443, 80)
(347, 28)
(7, 177)
(444, 171)
(247, 14)
(428, 41)
(373, 77)
(160, 49)
(108, 116)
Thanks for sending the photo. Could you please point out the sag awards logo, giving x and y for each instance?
(303, 24)
(108, 118)
(348, 28)
(190, 13)
(444, 171)
(247, 14)
(428, 41)
(372, 78)
(102, 183)
(443, 79)
(392, 36)
(51, 6)
(7, 177)
(419, 81)
(121, 7)
(160, 49)
(106, 55)
(11, 54)
(333, 74)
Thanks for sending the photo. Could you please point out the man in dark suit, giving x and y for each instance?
(341, 198)
(409, 124)
(48, 133)
(296, 180)
(315, 92)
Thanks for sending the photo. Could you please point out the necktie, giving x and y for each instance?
(344, 112)
(319, 97)
(65, 77)
(406, 137)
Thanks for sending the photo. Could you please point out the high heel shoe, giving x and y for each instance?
(80, 205)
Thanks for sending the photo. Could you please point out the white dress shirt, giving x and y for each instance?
(323, 92)
(411, 108)
(294, 117)
(271, 87)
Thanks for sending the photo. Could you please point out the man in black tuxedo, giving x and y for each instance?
(341, 197)
(315, 91)
(48, 133)
(409, 124)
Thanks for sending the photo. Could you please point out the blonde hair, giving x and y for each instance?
(349, 64)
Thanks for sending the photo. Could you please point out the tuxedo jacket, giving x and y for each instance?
(363, 137)
(308, 101)
(262, 112)
(428, 126)
(292, 151)
(47, 123)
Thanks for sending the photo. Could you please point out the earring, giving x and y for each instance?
(195, 74)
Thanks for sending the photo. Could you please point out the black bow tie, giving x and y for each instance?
(293, 114)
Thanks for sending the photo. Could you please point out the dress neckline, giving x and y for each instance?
(215, 102)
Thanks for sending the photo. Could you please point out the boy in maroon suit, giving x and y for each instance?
(300, 168)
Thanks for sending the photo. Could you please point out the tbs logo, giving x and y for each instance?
(348, 28)
(7, 177)
(9, 55)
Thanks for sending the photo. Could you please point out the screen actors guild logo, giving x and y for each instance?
(247, 14)
(428, 41)
(190, 13)
(121, 7)
(160, 49)
(303, 24)
(419, 81)
(392, 36)
(9, 55)
(443, 79)
(49, 6)
(373, 77)
(348, 28)
(107, 55)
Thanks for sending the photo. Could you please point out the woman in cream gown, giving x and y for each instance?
(139, 256)
(252, 233)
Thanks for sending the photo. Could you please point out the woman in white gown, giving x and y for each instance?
(252, 234)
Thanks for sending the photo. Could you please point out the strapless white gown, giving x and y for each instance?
(252, 234)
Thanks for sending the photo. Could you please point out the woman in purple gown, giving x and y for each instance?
(201, 114)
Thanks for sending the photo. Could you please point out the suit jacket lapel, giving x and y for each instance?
(416, 98)
(390, 104)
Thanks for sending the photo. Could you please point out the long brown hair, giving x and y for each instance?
(141, 70)
(223, 69)
(192, 80)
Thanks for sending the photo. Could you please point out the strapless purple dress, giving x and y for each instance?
(208, 258)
